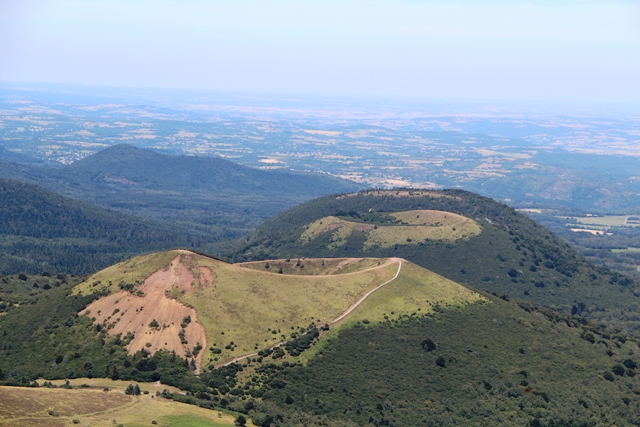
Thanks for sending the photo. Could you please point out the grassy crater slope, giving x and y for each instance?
(497, 249)
(242, 309)
(402, 228)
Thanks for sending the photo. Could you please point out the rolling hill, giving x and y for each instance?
(213, 195)
(470, 239)
(418, 350)
(43, 231)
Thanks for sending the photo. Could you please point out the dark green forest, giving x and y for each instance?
(498, 364)
(513, 256)
(43, 231)
(209, 195)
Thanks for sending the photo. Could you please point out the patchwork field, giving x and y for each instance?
(606, 221)
(93, 406)
(410, 228)
(235, 310)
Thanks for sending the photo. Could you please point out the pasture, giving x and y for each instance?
(411, 228)
(95, 406)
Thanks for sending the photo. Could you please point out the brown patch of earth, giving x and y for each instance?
(28, 406)
(123, 312)
(334, 226)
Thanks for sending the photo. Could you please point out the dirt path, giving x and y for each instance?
(357, 303)
(337, 319)
(343, 263)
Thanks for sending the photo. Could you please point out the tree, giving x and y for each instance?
(240, 421)
(440, 361)
(618, 370)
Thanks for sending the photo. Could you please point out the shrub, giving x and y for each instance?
(618, 370)
(428, 345)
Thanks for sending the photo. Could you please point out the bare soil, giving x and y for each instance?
(125, 312)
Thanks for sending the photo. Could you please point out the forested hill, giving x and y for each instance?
(43, 231)
(512, 255)
(16, 157)
(214, 195)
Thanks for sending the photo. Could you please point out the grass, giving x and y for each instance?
(314, 266)
(102, 383)
(412, 228)
(627, 250)
(257, 309)
(131, 271)
(415, 291)
(249, 308)
(96, 407)
(606, 221)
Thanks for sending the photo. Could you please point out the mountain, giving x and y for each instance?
(44, 231)
(253, 304)
(12, 156)
(362, 341)
(462, 236)
(213, 195)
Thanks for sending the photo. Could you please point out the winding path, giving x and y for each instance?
(336, 320)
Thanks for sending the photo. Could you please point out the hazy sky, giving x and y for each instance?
(535, 50)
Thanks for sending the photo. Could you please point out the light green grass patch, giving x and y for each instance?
(415, 291)
(607, 221)
(132, 271)
(627, 250)
(191, 421)
(413, 228)
(256, 309)
(314, 266)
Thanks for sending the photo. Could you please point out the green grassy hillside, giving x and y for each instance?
(512, 254)
(212, 195)
(43, 231)
(421, 350)
(248, 308)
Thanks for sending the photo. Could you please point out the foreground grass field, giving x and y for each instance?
(92, 405)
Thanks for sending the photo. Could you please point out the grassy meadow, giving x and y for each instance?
(409, 228)
(101, 402)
